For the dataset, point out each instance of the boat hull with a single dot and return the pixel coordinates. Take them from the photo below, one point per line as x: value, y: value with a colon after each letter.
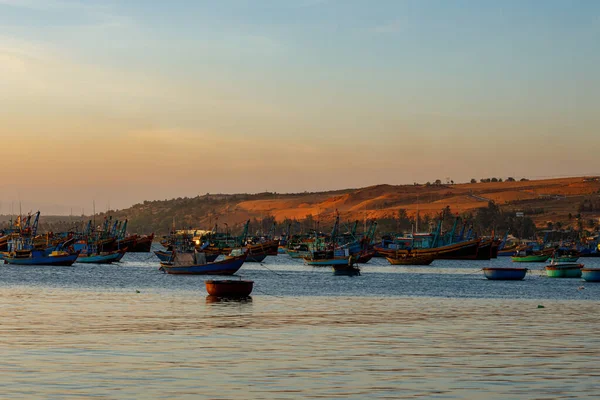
x: 590, y: 274
x: 166, y: 256
x: 60, y: 261
x: 101, y: 258
x: 564, y: 270
x: 229, y: 288
x: 327, y: 262
x: 484, y: 252
x: 142, y: 244
x: 533, y: 258
x: 457, y: 251
x: 228, y: 266
x: 411, y: 260
x: 504, y: 274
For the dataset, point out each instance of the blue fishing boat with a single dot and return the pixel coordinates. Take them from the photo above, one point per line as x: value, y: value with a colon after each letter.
x: 196, y: 264
x: 590, y: 274
x: 101, y: 258
x: 326, y: 262
x: 505, y: 273
x: 41, y: 257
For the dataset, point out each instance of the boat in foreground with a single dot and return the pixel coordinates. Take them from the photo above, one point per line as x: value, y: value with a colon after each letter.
x: 193, y: 264
x: 590, y: 274
x: 564, y: 270
x: 505, y: 273
x: 229, y: 288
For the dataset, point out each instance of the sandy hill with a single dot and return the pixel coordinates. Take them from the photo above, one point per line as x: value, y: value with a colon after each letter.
x: 543, y: 200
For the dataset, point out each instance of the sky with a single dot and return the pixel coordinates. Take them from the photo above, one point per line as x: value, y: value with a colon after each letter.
x: 117, y: 102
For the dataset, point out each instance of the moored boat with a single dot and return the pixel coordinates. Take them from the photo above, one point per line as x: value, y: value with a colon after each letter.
x: 411, y: 259
x: 590, y: 274
x: 326, y: 262
x: 41, y: 257
x: 195, y: 264
x: 505, y: 273
x: 142, y: 244
x: 101, y: 258
x: 564, y: 270
x: 530, y: 258
x: 229, y: 288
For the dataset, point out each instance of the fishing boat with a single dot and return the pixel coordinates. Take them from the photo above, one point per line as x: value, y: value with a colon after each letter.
x: 326, y: 262
x: 564, y: 270
x: 484, y: 252
x: 49, y: 257
x: 229, y: 288
x: 142, y: 244
x: 166, y: 256
x: 505, y: 273
x: 590, y: 274
x: 364, y: 257
x: 466, y: 250
x: 196, y: 264
x: 530, y: 256
x: 102, y: 257
x: 411, y: 259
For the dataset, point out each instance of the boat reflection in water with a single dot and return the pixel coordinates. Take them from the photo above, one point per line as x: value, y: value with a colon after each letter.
x: 224, y: 300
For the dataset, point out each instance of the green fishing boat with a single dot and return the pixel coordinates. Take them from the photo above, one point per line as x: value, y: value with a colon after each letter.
x: 530, y: 258
x: 564, y: 270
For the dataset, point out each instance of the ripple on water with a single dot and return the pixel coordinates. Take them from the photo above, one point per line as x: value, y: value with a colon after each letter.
x: 386, y: 334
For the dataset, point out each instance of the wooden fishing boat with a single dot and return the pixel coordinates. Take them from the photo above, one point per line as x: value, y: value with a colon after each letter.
x: 142, y: 244
x: 531, y: 258
x: 41, y: 257
x: 484, y: 252
x: 411, y: 259
x: 128, y: 242
x: 505, y: 273
x: 564, y: 270
x: 191, y: 264
x: 364, y: 256
x: 229, y: 288
x: 507, y: 251
x: 166, y: 256
x: 101, y: 258
x: 590, y: 274
x: 466, y: 250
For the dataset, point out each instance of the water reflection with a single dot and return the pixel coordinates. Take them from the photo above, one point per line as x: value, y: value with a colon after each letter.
x: 228, y: 300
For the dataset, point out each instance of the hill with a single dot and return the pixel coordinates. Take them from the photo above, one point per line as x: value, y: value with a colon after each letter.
x: 559, y: 200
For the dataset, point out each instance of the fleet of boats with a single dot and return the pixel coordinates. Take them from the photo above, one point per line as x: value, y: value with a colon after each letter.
x: 220, y: 253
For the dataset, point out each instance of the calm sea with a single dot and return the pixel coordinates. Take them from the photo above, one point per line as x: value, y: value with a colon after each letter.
x: 441, y: 331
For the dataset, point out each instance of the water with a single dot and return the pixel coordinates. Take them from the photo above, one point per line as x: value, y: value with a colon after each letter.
x: 441, y: 331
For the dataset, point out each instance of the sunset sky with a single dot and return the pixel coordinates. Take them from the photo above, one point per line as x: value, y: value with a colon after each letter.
x: 125, y: 101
